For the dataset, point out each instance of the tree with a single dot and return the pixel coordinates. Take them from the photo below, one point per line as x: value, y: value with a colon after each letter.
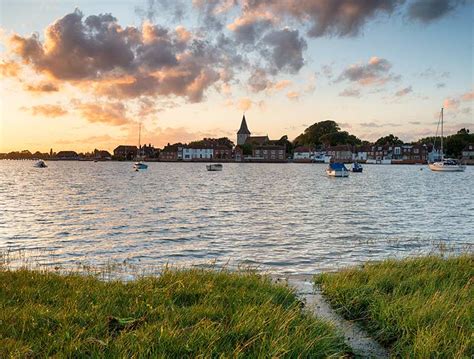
x: 283, y: 141
x: 246, y: 149
x: 312, y: 135
x: 340, y: 138
x: 389, y: 140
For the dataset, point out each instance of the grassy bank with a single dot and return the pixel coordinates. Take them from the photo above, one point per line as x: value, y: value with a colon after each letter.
x: 179, y: 314
x: 421, y: 307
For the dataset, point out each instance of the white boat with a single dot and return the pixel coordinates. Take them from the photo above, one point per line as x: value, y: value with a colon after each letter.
x: 321, y: 158
x: 40, y: 164
x: 337, y: 169
x: 139, y: 165
x: 214, y: 167
x: 445, y: 164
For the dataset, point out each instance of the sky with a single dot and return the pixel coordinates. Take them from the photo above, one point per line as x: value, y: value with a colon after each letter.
x: 83, y: 74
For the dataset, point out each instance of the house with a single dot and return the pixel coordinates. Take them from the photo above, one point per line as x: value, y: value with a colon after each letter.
x: 102, y: 155
x: 468, y: 152
x: 340, y: 153
x: 409, y: 154
x: 125, y: 152
x: 67, y: 155
x: 171, y: 152
x: 360, y: 153
x: 238, y: 154
x: 148, y: 151
x: 197, y: 153
x: 303, y: 154
x: 269, y: 153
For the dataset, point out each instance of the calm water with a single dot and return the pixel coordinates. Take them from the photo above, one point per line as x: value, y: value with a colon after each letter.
x: 279, y: 217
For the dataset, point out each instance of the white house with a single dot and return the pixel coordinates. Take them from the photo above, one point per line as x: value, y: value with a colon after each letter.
x: 302, y: 154
x: 197, y: 153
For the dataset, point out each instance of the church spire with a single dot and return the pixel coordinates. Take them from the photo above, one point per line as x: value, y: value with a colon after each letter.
x: 244, y: 130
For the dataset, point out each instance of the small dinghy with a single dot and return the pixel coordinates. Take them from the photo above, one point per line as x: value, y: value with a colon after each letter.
x: 356, y: 167
x: 337, y: 169
x: 140, y: 166
x: 40, y: 164
x: 214, y: 167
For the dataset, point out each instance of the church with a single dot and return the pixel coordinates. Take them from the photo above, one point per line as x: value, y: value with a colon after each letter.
x: 263, y: 149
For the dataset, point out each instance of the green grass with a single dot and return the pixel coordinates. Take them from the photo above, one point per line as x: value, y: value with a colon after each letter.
x: 419, y: 308
x: 180, y: 314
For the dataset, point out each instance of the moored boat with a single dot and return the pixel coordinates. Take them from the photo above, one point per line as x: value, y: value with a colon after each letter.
x: 40, y: 164
x: 445, y: 164
x: 337, y: 169
x: 356, y: 167
x: 214, y: 167
x: 139, y: 165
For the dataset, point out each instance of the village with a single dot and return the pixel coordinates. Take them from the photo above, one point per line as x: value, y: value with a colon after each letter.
x: 256, y: 149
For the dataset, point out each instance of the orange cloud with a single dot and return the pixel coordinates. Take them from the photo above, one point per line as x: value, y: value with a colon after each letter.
x: 293, y: 95
x: 109, y: 113
x: 47, y: 110
x: 9, y: 69
x: 468, y: 96
x: 42, y: 87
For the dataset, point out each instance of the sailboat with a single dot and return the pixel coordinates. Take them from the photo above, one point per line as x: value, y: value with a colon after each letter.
x: 445, y: 164
x: 139, y: 165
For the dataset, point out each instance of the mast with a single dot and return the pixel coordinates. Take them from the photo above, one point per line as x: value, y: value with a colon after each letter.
x: 442, y: 152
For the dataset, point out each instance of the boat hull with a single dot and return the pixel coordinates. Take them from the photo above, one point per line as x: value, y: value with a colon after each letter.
x: 214, y: 167
x: 446, y: 168
x: 336, y: 173
x: 140, y: 166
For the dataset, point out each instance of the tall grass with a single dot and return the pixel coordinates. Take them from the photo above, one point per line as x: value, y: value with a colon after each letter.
x: 180, y: 314
x: 421, y: 307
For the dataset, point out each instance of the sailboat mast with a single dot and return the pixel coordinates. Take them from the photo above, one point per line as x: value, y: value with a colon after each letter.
x: 442, y: 134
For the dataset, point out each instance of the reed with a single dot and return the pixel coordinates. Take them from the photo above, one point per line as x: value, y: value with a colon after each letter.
x: 418, y: 307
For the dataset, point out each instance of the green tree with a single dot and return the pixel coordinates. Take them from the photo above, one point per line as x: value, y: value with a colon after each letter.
x: 312, y: 135
x: 389, y: 140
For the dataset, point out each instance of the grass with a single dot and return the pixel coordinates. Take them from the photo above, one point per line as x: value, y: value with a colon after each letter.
x: 419, y: 308
x: 180, y: 314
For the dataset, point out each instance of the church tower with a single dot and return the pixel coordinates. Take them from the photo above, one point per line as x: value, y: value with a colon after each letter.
x: 243, y: 132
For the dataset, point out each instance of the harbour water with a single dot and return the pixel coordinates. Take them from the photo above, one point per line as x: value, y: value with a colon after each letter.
x: 279, y: 218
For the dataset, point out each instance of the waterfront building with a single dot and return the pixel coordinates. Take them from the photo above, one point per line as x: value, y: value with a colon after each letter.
x: 269, y: 153
x: 125, y: 152
x: 67, y: 155
x: 197, y: 153
x: 340, y: 153
x: 303, y: 154
x: 243, y: 133
x: 468, y: 152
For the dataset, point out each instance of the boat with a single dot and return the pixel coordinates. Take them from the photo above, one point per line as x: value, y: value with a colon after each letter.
x: 321, y: 158
x: 356, y: 167
x: 337, y: 169
x: 139, y: 165
x: 445, y: 164
x: 214, y: 167
x: 40, y: 164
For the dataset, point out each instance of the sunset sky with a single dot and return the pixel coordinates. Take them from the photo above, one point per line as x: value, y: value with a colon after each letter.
x: 81, y: 74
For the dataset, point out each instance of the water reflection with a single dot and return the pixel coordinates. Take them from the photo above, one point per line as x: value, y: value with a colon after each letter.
x: 279, y: 217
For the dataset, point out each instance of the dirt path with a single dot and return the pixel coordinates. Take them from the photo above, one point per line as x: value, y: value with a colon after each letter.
x: 360, y: 342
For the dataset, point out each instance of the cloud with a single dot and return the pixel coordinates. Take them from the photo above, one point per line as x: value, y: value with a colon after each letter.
x: 284, y: 50
x: 370, y: 124
x: 430, y: 10
x: 108, y: 113
x: 375, y: 72
x: 468, y: 96
x: 9, y: 69
x: 42, y: 87
x: 403, y: 92
x: 248, y: 29
x: 293, y: 95
x: 326, y: 17
x: 350, y: 92
x: 244, y: 104
x: 414, y: 123
x: 440, y: 85
x: 47, y: 110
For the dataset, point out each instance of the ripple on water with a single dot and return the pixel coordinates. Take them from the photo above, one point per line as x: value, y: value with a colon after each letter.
x: 279, y: 218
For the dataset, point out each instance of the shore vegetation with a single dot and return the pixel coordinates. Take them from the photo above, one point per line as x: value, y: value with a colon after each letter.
x: 418, y: 307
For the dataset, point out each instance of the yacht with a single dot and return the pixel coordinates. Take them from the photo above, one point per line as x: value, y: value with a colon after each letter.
x: 445, y: 164
x: 214, y: 167
x: 337, y: 169
x: 139, y: 165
